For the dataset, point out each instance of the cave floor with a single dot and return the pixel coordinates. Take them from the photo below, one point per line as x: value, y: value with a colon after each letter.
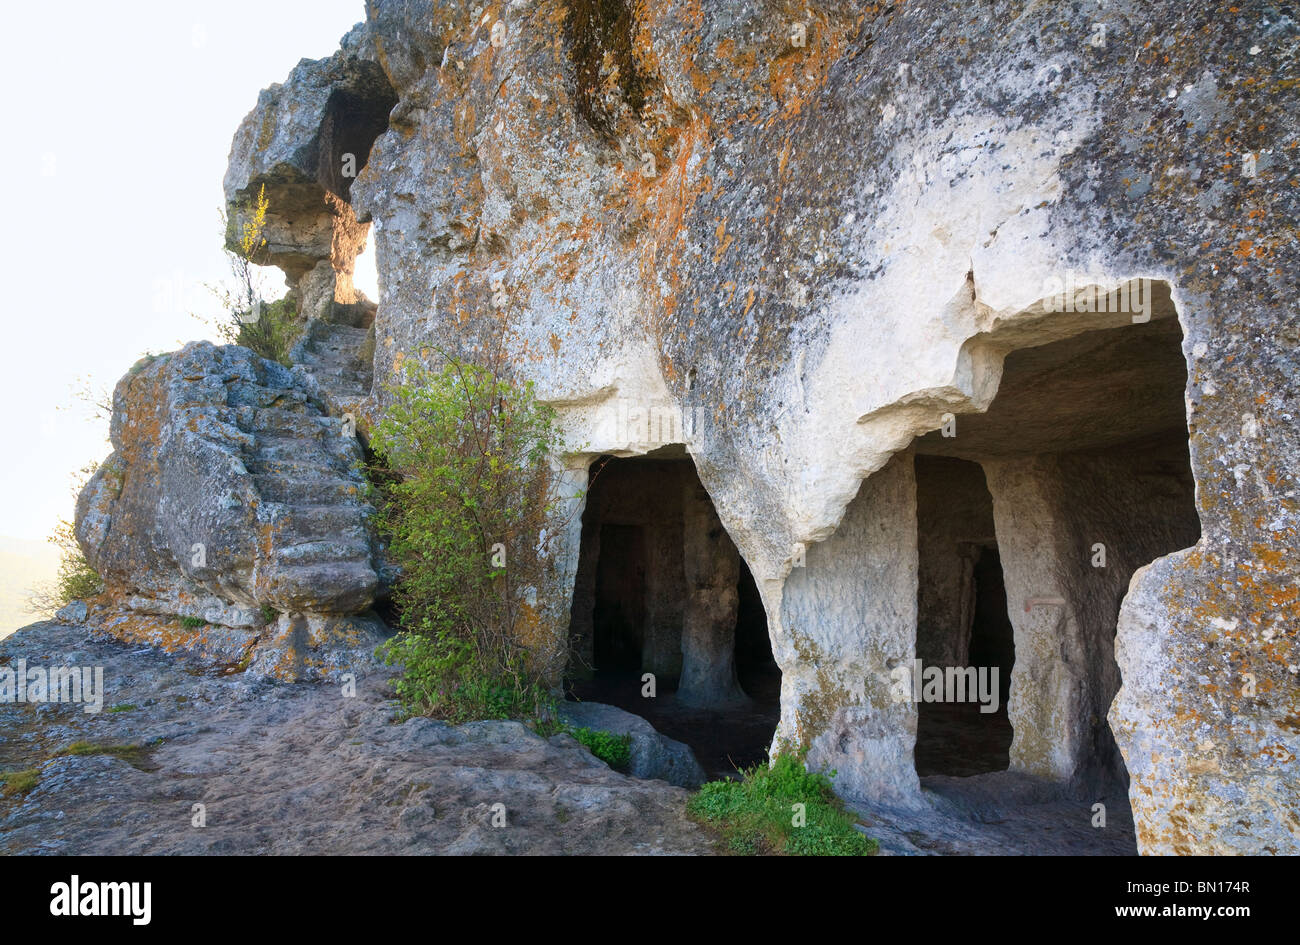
x: 1002, y: 813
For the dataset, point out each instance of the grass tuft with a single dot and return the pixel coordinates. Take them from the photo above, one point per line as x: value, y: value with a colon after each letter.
x: 759, y: 815
x: 18, y: 783
x: 135, y: 755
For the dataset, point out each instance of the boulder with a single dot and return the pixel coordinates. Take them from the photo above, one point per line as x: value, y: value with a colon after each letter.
x: 231, y: 495
x: 654, y: 756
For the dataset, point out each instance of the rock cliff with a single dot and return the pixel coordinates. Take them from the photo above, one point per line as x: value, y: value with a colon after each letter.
x: 811, y: 248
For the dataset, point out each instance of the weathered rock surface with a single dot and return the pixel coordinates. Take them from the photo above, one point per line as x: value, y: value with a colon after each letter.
x: 301, y: 769
x: 301, y: 148
x: 654, y: 756
x: 810, y: 254
x: 230, y: 495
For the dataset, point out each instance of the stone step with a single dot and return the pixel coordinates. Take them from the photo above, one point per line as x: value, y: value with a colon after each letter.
x: 289, y: 423
x: 289, y: 491
x: 301, y: 465
x: 334, y: 548
x: 324, y: 519
x: 313, y: 580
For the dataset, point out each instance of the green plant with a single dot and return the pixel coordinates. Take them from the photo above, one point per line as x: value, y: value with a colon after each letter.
x: 15, y: 783
x: 76, y: 579
x: 135, y: 755
x: 269, y: 614
x: 441, y: 677
x: 761, y: 814
x: 193, y: 623
x: 123, y: 707
x: 466, y: 498
x: 614, y: 750
x: 267, y: 328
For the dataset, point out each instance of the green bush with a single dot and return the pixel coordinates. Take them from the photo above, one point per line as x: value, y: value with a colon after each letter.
x: 465, y: 496
x: 269, y: 330
x: 76, y: 579
x: 193, y: 623
x: 441, y: 677
x: 614, y: 750
x: 757, y: 815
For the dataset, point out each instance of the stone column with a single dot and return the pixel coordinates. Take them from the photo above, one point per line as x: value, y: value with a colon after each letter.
x: 847, y: 622
x: 712, y: 569
x: 1051, y: 676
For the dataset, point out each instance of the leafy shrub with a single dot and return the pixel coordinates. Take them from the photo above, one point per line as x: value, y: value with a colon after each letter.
x: 466, y: 501
x: 757, y: 815
x: 441, y: 677
x: 76, y: 579
x: 614, y: 750
x: 269, y: 330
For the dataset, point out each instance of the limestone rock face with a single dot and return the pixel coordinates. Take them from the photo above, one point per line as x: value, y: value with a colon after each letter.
x: 229, y: 491
x: 302, y: 146
x: 803, y: 257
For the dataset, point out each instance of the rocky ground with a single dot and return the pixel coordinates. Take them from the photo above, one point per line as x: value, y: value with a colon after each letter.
x: 301, y: 768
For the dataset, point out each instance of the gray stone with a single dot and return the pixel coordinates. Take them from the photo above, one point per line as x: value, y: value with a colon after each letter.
x: 654, y: 756
x: 230, y: 491
x: 75, y: 612
x: 301, y: 769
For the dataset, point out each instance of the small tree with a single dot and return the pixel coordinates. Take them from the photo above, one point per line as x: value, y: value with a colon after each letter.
x: 471, y: 516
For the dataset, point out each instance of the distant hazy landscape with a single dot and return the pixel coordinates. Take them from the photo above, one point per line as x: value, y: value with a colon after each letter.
x: 23, y: 564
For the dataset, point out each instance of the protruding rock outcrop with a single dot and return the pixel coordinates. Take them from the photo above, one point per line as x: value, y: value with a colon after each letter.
x: 304, y: 144
x: 231, y: 497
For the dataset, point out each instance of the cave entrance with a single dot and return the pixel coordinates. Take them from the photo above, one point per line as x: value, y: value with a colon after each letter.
x: 961, y: 621
x: 662, y: 590
x: 1077, y: 475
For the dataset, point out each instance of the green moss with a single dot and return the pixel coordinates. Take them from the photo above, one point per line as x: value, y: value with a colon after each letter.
x: 18, y: 783
x: 123, y: 707
x: 783, y: 810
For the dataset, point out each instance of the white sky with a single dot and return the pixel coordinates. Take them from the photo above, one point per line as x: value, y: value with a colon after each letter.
x: 117, y: 123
